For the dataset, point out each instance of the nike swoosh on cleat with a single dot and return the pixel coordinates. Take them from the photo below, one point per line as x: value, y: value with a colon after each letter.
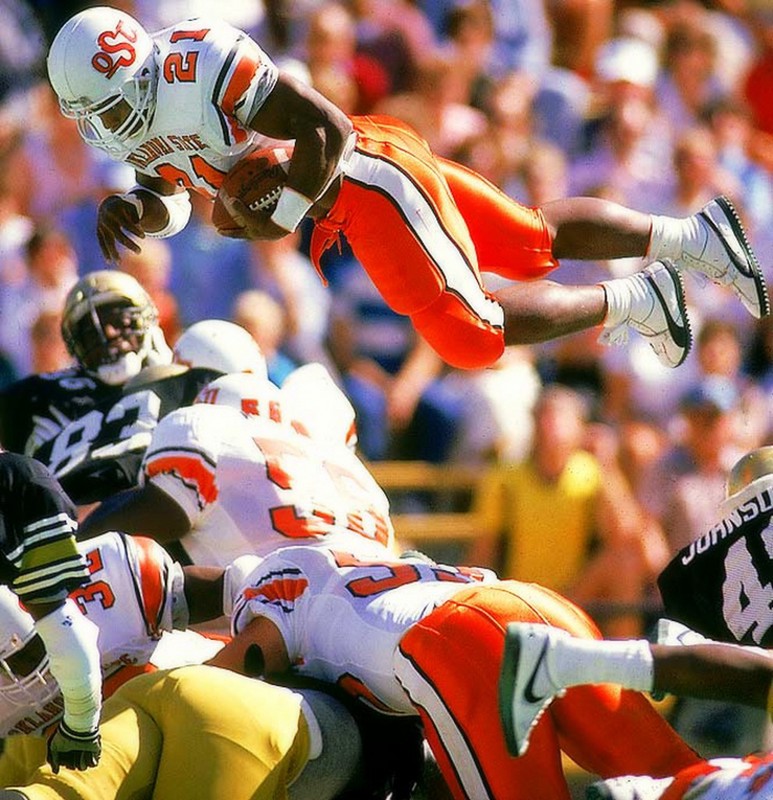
x: 679, y: 333
x: 528, y: 690
x: 750, y: 267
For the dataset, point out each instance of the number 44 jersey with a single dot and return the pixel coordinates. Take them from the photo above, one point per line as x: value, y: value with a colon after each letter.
x: 721, y: 584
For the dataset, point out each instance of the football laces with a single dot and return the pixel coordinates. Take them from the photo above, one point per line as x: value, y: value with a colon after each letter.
x: 268, y: 200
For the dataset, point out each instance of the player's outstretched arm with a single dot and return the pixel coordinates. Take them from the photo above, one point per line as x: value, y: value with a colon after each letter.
x: 140, y: 212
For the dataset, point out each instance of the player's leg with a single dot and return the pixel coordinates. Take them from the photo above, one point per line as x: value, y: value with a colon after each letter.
x: 131, y: 748
x: 239, y: 737
x: 406, y: 229
x: 600, y: 727
x: 711, y: 242
x: 600, y: 723
x: 448, y: 665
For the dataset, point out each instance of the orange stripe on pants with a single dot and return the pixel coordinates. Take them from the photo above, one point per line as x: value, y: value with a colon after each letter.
x: 449, y: 664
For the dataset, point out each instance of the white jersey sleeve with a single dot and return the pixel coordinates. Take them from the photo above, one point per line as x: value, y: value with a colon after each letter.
x: 183, y: 456
x: 342, y: 618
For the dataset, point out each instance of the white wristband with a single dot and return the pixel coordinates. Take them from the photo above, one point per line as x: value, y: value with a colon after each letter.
x: 134, y: 200
x: 290, y: 209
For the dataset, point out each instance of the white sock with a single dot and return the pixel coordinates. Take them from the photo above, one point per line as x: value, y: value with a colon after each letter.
x: 670, y: 237
x: 626, y: 298
x: 629, y: 663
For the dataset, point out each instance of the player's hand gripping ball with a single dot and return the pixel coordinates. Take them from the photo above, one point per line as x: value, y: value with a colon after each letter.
x: 249, y: 192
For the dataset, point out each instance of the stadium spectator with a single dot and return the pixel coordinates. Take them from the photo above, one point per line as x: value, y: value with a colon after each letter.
x: 152, y: 269
x: 389, y: 374
x: 688, y: 483
x: 564, y: 520
x: 266, y: 321
x: 332, y: 58
x: 52, y: 270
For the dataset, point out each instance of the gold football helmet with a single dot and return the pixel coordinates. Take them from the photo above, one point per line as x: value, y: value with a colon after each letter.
x: 110, y: 325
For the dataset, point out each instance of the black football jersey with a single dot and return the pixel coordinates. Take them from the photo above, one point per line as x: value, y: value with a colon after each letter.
x: 100, y: 453
x: 37, y: 407
x: 38, y: 556
x: 721, y: 585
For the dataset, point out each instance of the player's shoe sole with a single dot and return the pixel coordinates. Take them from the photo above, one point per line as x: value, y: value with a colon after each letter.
x: 727, y: 257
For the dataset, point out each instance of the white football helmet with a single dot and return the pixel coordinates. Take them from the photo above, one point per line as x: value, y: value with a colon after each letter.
x: 99, y: 59
x: 111, y: 299
x: 222, y: 346
x: 246, y: 392
x: 319, y: 407
x: 25, y: 679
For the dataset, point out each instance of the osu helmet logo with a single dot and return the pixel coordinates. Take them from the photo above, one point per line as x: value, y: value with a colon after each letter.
x: 117, y: 50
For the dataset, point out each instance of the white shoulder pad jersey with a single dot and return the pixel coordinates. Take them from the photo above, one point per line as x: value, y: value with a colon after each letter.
x: 342, y: 618
x: 133, y: 589
x: 212, y: 78
x: 252, y: 485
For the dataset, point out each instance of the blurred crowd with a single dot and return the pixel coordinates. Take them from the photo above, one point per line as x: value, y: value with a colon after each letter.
x: 658, y: 105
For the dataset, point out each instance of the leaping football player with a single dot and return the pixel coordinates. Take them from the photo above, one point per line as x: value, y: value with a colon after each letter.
x: 185, y: 104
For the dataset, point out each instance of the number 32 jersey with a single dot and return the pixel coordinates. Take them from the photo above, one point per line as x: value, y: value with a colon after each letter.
x: 721, y: 585
x: 132, y: 595
x: 251, y: 485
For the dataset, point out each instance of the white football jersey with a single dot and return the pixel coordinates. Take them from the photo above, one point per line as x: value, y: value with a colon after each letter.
x: 211, y: 80
x: 342, y: 617
x: 734, y: 779
x: 132, y: 593
x: 251, y: 485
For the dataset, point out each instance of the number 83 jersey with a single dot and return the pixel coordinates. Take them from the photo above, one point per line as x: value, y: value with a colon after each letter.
x: 721, y: 584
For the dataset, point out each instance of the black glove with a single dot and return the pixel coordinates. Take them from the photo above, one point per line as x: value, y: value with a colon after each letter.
x: 74, y: 750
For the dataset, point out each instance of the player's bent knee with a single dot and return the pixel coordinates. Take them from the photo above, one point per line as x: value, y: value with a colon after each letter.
x: 457, y: 335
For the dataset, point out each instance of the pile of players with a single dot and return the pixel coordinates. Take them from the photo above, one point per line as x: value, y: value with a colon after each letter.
x: 218, y: 493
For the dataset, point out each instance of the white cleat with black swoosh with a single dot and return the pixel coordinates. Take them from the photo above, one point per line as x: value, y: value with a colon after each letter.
x: 721, y: 252
x: 526, y: 687
x: 660, y: 313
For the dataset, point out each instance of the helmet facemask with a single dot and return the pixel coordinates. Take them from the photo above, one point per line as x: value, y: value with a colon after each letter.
x: 25, y: 679
x: 111, y: 340
x: 139, y: 97
x: 108, y: 325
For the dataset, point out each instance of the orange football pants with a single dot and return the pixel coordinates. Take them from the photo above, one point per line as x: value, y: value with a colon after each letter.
x: 449, y: 665
x: 423, y: 228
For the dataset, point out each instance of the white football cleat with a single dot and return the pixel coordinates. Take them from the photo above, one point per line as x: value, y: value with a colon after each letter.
x: 633, y: 787
x: 661, y: 317
x: 526, y: 687
x: 723, y: 254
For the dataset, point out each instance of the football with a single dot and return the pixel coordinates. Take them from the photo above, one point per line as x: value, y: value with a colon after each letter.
x: 256, y: 180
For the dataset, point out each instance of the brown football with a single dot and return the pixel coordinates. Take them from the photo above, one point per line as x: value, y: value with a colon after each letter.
x: 256, y: 180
